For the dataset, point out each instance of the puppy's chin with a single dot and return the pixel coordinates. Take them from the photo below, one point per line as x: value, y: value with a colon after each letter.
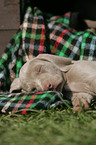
x: 60, y: 86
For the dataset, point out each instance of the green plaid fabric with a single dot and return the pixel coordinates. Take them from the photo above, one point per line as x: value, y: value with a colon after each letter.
x: 41, y: 33
x: 67, y: 42
x: 24, y: 102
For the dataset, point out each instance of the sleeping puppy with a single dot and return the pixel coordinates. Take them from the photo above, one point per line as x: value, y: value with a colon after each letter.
x: 50, y: 72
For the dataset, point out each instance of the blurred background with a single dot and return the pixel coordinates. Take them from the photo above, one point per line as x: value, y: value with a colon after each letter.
x: 9, y: 21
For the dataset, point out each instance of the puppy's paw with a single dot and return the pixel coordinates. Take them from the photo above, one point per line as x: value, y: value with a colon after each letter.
x: 81, y: 101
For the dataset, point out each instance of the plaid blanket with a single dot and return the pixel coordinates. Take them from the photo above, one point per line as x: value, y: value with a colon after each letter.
x: 41, y: 33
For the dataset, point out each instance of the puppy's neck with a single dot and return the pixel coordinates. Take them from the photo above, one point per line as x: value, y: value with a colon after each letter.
x: 65, y: 89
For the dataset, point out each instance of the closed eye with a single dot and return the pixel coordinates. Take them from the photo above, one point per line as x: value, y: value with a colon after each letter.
x: 40, y: 69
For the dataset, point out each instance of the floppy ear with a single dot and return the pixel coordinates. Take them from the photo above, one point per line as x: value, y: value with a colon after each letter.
x: 63, y: 63
x: 16, y: 85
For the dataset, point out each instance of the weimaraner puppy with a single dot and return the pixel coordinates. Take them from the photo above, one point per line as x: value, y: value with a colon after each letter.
x: 50, y: 72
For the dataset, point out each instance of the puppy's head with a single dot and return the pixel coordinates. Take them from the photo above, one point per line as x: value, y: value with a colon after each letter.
x: 41, y: 73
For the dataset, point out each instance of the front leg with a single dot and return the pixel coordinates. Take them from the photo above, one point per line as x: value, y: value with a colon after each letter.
x: 81, y: 101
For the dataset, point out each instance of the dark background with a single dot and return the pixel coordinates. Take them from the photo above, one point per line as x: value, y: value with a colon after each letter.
x: 86, y: 8
x: 12, y: 12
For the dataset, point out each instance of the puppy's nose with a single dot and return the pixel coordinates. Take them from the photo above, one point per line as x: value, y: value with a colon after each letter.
x: 49, y: 86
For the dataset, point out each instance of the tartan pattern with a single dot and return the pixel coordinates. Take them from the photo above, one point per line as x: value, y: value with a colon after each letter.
x: 41, y: 34
x: 33, y: 33
x: 67, y: 42
x: 23, y: 102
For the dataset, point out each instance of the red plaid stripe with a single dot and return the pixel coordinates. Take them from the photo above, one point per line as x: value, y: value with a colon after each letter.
x: 29, y: 104
x: 41, y: 48
x: 59, y: 38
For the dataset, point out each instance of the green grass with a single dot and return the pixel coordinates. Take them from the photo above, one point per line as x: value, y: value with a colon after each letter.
x: 51, y: 127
